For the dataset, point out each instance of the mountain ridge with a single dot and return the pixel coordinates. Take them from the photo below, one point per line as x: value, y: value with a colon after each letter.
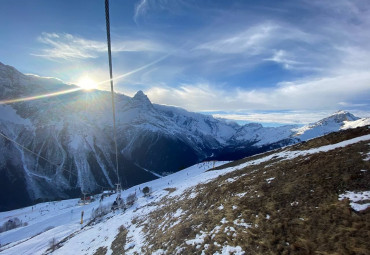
x: 74, y: 130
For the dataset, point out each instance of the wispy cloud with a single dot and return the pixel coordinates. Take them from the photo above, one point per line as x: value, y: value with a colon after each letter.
x: 311, y: 100
x: 346, y: 104
x: 285, y: 117
x: 283, y: 58
x: 250, y: 42
x: 143, y: 7
x: 274, y: 41
x: 309, y: 94
x: 258, y: 37
x: 68, y: 46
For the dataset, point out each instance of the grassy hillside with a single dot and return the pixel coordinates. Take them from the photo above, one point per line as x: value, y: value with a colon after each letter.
x: 279, y: 206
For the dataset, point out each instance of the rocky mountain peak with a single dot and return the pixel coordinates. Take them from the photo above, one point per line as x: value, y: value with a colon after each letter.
x: 338, y: 117
x: 344, y: 116
x: 140, y: 100
x: 141, y: 96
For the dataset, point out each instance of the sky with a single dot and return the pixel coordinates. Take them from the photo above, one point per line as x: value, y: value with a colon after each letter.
x: 268, y: 61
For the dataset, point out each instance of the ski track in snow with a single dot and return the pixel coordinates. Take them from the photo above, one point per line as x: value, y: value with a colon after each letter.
x: 64, y: 216
x: 153, y: 173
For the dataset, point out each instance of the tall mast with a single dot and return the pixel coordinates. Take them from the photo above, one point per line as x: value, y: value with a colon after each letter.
x: 112, y: 90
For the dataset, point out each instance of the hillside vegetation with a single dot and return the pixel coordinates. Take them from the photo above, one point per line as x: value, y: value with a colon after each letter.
x: 278, y: 206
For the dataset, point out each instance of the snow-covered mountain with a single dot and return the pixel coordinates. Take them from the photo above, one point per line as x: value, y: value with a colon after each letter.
x: 280, y: 203
x: 56, y: 147
x: 332, y: 123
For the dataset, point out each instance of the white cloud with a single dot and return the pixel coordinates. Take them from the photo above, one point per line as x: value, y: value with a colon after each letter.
x: 311, y: 100
x: 314, y: 94
x: 293, y: 47
x: 67, y: 46
x: 143, y: 7
x: 346, y: 104
x: 250, y: 41
x: 257, y: 38
x: 337, y: 39
x: 284, y: 117
x: 291, y: 117
x: 283, y: 58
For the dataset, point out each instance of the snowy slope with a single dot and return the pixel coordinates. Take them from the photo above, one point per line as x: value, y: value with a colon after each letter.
x: 255, y: 132
x: 330, y: 124
x: 356, y: 123
x: 8, y: 114
x: 64, y: 216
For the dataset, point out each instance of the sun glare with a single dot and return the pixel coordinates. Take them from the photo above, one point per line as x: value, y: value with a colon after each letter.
x: 87, y: 84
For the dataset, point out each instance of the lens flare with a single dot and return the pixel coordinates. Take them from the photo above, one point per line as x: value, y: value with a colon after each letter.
x: 136, y: 70
x: 87, y: 84
x: 10, y: 101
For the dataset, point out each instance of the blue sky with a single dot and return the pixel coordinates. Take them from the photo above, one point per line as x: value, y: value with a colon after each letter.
x: 265, y: 61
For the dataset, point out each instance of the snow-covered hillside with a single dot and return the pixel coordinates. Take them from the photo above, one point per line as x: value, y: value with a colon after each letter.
x: 61, y: 220
x: 332, y: 123
x: 73, y: 131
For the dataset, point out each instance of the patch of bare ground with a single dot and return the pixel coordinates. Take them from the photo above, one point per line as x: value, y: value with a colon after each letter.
x: 331, y: 138
x: 101, y: 251
x: 118, y: 245
x: 170, y: 190
x: 289, y: 207
x: 247, y: 159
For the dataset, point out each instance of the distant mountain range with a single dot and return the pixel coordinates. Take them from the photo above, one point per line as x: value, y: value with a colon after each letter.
x: 56, y: 147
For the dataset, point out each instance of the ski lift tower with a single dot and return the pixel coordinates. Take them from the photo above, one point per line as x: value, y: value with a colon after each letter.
x: 118, y: 188
x: 118, y: 184
x: 84, y: 201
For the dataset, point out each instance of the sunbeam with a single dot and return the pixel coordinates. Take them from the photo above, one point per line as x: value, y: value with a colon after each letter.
x: 10, y: 101
x: 136, y: 70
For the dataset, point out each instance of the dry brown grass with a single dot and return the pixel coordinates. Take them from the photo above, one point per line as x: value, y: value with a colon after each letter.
x: 170, y: 190
x: 331, y: 138
x: 298, y: 212
x: 101, y: 251
x: 119, y: 242
x: 244, y: 160
x: 334, y: 137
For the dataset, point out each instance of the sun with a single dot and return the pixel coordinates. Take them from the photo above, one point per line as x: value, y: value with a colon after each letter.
x: 87, y: 84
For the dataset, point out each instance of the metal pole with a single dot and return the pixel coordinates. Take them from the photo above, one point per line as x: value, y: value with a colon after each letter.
x: 111, y: 87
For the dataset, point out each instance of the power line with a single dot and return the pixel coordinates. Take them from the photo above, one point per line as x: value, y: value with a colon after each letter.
x: 32, y: 152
